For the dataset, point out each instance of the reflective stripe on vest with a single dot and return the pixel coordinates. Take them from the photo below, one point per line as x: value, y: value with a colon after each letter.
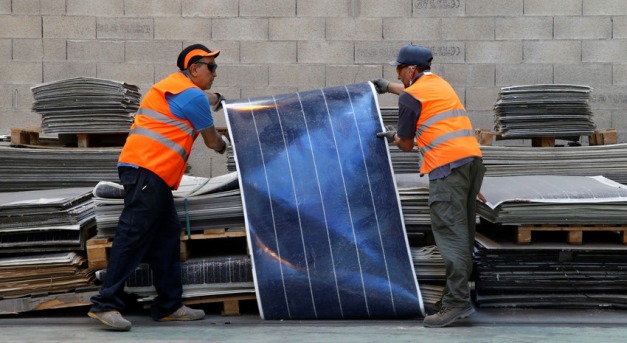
x: 161, y: 139
x: 445, y: 138
x: 440, y: 116
x: 167, y: 120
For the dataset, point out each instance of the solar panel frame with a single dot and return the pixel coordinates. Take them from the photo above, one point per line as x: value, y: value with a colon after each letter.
x: 322, y: 212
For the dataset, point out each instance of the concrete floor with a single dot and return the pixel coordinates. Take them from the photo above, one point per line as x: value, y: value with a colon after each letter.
x: 486, y: 325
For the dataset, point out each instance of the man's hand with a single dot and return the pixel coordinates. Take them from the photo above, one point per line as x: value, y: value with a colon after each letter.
x: 218, y: 102
x: 381, y: 85
x: 226, y: 144
x: 388, y: 134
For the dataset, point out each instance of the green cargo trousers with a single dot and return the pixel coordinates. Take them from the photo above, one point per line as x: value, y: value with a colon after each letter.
x: 453, y: 205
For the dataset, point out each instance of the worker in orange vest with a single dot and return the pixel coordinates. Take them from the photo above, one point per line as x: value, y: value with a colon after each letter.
x: 431, y: 113
x: 172, y: 114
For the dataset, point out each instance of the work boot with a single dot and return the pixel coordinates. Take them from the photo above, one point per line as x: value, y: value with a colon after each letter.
x: 447, y: 315
x: 184, y: 313
x: 112, y: 319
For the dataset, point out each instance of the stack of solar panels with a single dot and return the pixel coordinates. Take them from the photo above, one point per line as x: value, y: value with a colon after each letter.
x: 430, y: 272
x: 209, y: 276
x: 47, y: 220
x: 31, y: 169
x: 607, y: 160
x: 550, y: 275
x: 85, y: 105
x: 550, y: 199
x: 413, y: 191
x: 544, y: 110
x: 389, y: 115
x: 201, y: 204
x: 22, y: 276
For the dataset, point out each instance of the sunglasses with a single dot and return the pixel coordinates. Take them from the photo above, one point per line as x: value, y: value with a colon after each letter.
x: 212, y: 66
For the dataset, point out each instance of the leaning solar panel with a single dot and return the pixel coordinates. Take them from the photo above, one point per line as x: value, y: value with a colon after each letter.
x: 322, y: 211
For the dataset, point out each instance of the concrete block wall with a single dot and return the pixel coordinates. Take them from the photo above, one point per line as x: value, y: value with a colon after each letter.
x: 277, y: 46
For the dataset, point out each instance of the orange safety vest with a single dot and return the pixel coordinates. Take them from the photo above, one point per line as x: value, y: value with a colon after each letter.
x: 444, y: 132
x: 160, y: 141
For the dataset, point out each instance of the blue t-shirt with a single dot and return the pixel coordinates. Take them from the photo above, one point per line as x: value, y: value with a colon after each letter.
x: 192, y: 104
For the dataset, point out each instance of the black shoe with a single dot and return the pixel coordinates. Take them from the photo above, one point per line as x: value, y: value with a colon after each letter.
x: 447, y: 315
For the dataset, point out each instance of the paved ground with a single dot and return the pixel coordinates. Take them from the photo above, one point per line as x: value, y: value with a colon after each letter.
x: 503, y: 325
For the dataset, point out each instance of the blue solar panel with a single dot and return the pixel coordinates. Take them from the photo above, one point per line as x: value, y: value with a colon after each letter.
x: 323, y: 217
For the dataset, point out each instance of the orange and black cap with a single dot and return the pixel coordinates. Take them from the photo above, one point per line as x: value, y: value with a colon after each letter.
x: 193, y: 53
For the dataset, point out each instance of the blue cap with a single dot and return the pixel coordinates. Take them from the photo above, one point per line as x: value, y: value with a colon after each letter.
x: 413, y: 55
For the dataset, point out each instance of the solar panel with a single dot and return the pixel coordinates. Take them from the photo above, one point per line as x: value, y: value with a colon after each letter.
x: 322, y: 212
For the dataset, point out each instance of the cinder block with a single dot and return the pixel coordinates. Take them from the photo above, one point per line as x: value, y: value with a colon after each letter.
x: 482, y: 119
x: 65, y: 27
x: 131, y: 73
x: 612, y: 51
x: 182, y: 28
x: 619, y: 27
x: 326, y: 8
x: 52, y: 7
x: 23, y: 97
x: 18, y: 73
x: 407, y: 28
x: 296, y: 28
x: 6, y: 50
x: 26, y: 7
x: 267, y: 8
x: 620, y: 74
x: 210, y: 9
x: 124, y: 28
x: 602, y: 119
x: 31, y: 50
x: 552, y: 51
x: 376, y: 52
x: 583, y: 27
x: 95, y: 51
x: 326, y: 52
x: 553, y: 8
x: 487, y: 8
x: 591, y: 74
x: 16, y: 118
x: 6, y: 98
x: 253, y: 92
x: 494, y: 52
x: 508, y: 75
x: 466, y: 74
x: 524, y: 28
x: 337, y: 75
x: 242, y: 29
x: 354, y: 29
x: 302, y: 76
x: 152, y: 8
x: 165, y: 51
x: 439, y: 9
x: 163, y: 69
x: 268, y: 52
x: 54, y: 49
x: 109, y: 8
x: 605, y: 7
x: 241, y: 75
x: 388, y: 100
x: 5, y: 6
x: 20, y: 26
x: 467, y: 28
x: 54, y: 71
x: 384, y: 9
x: 481, y: 98
x: 609, y: 98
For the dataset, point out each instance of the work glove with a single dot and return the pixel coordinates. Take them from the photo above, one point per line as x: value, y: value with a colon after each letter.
x: 388, y: 134
x: 218, y: 105
x: 226, y: 144
x: 381, y: 85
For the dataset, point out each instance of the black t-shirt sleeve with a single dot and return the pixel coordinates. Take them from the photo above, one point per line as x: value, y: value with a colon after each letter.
x: 408, y: 113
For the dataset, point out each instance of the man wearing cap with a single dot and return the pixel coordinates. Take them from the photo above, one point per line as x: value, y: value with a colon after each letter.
x: 430, y: 111
x: 152, y: 162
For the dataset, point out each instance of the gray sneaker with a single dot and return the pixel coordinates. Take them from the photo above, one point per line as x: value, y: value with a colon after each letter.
x: 112, y: 319
x: 184, y: 313
x: 447, y: 315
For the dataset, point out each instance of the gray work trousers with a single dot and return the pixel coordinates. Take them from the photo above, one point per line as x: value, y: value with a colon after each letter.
x: 452, y: 201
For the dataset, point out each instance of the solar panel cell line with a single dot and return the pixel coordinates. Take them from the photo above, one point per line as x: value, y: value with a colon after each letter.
x: 322, y: 212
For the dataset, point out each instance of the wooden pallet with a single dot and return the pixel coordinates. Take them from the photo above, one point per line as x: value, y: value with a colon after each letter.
x: 575, y: 232
x: 599, y: 137
x: 230, y: 303
x: 30, y: 137
x: 98, y: 247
